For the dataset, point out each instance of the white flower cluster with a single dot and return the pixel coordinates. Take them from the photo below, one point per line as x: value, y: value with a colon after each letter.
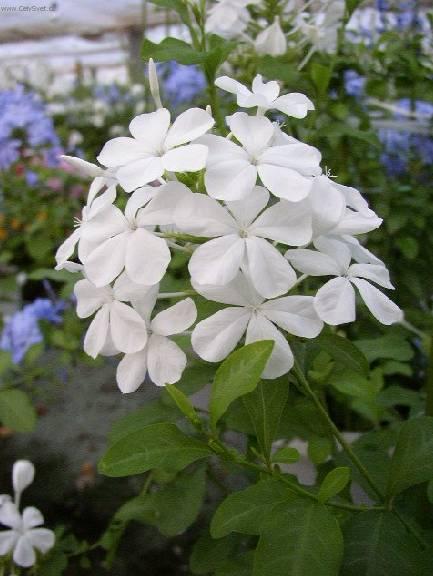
x: 261, y: 212
x: 24, y: 534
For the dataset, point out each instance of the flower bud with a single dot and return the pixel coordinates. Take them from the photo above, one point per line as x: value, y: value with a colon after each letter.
x: 154, y: 85
x: 271, y: 40
x: 23, y: 473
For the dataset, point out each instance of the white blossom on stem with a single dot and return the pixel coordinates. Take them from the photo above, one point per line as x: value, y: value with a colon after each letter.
x: 271, y: 40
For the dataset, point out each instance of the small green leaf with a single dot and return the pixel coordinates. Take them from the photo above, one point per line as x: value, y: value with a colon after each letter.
x: 239, y: 374
x: 240, y: 511
x: 412, y: 461
x: 319, y: 449
x: 183, y: 403
x: 171, y: 49
x: 299, y: 538
x: 265, y: 406
x: 160, y: 445
x: 343, y: 352
x: 334, y: 482
x: 286, y: 455
x: 392, y: 347
x: 16, y: 410
x: 321, y: 76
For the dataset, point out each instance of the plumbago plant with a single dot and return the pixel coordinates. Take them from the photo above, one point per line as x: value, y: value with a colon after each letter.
x: 257, y: 252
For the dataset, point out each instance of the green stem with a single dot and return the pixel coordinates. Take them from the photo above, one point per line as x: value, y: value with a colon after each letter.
x: 429, y: 382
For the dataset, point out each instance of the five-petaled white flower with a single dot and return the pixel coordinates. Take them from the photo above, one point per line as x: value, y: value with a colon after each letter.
x: 265, y: 95
x: 240, y: 231
x: 156, y: 146
x: 215, y: 337
x: 160, y: 357
x: 335, y: 300
x: 232, y: 170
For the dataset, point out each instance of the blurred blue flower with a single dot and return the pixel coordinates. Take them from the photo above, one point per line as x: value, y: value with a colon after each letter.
x: 21, y: 330
x: 31, y: 178
x: 183, y: 83
x: 9, y: 152
x: 354, y: 83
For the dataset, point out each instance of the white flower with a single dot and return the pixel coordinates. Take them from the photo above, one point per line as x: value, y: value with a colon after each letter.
x: 116, y: 327
x: 271, y: 40
x: 335, y: 300
x: 265, y: 95
x: 25, y: 534
x: 156, y: 146
x: 214, y: 338
x: 228, y: 18
x: 232, y: 170
x: 161, y: 358
x: 23, y: 474
x: 130, y: 243
x: 239, y: 231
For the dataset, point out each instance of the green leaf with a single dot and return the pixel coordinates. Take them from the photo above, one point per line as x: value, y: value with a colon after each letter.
x: 160, y: 445
x: 265, y: 406
x: 171, y: 49
x: 240, y: 511
x: 299, y: 538
x: 183, y: 403
x: 5, y: 361
x: 378, y: 544
x: 16, y: 410
x: 178, y: 5
x: 392, y: 347
x: 239, y: 374
x: 151, y: 413
x: 209, y: 555
x: 334, y: 482
x: 344, y: 352
x: 319, y: 449
x: 321, y: 76
x: 218, y: 50
x: 286, y: 455
x: 412, y: 461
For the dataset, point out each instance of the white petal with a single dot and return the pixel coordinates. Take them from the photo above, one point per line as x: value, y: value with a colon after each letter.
x: 284, y: 182
x: 120, y: 151
x: 32, y: 517
x: 297, y: 156
x: 103, y: 225
x: 89, y: 297
x: 281, y: 359
x: 296, y: 314
x: 137, y: 200
x: 65, y: 250
x: 335, y: 302
x: 335, y: 249
x: 24, y: 555
x: 359, y: 252
x: 150, y: 129
x: 286, y: 222
x: 125, y: 290
x: 217, y: 261
x: 357, y: 223
x: 107, y: 261
x: 189, y: 126
x: 165, y: 360
x: 375, y: 272
x: 313, y: 263
x: 270, y: 272
x: 9, y: 516
x: 96, y: 334
x: 131, y: 371
x: 232, y: 86
x: 253, y: 132
x: 163, y: 206
x: 248, y: 208
x: 128, y: 329
x: 294, y: 104
x: 231, y: 179
x: 221, y: 149
x: 214, y: 338
x: 95, y: 203
x: 82, y: 167
x: 238, y: 292
x: 201, y: 215
x: 269, y: 90
x: 42, y: 539
x: 354, y: 200
x: 189, y: 158
x: 8, y: 539
x: 147, y: 257
x: 378, y: 303
x: 327, y: 204
x: 175, y: 319
x: 140, y: 172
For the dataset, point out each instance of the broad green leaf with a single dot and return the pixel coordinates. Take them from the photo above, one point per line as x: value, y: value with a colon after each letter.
x: 242, y: 565
x: 334, y: 482
x: 171, y: 49
x: 265, y: 406
x: 183, y: 403
x: 412, y: 461
x: 218, y: 50
x: 241, y: 511
x: 209, y: 555
x: 196, y: 375
x: 239, y: 374
x: 321, y: 76
x: 16, y: 410
x: 319, y: 449
x: 5, y: 361
x: 343, y: 352
x: 378, y: 544
x: 150, y: 413
x: 392, y: 347
x: 160, y: 445
x: 286, y: 455
x: 299, y: 538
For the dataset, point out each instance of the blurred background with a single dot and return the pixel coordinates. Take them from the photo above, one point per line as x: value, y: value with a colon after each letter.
x: 71, y: 77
